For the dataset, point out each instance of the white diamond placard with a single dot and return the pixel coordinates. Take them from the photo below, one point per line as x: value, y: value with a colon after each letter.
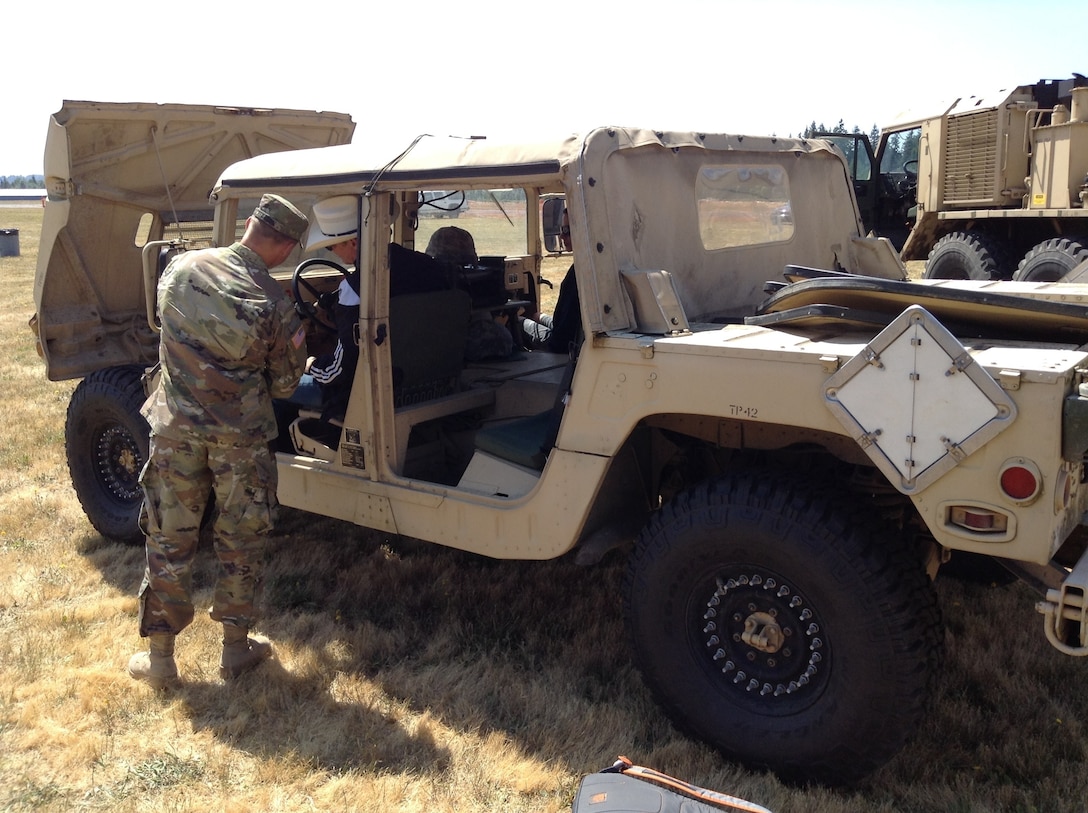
x: 916, y: 401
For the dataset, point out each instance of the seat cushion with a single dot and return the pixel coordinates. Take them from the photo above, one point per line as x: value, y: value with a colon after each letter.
x: 519, y: 441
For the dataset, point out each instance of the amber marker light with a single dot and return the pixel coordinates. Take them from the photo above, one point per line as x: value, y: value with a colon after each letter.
x: 978, y: 519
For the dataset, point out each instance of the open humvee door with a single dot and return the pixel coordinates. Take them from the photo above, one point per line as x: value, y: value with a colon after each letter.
x: 120, y: 177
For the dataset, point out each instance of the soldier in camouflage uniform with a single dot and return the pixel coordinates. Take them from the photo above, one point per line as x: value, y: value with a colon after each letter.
x: 230, y: 343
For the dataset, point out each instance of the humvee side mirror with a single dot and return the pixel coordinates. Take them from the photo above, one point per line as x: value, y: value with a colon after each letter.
x: 551, y: 217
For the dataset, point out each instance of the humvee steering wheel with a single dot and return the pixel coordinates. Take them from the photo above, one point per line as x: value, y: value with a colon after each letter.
x: 307, y: 295
x: 909, y: 183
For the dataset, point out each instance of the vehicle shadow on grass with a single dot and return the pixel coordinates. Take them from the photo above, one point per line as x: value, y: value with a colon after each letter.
x: 532, y: 651
x: 388, y: 639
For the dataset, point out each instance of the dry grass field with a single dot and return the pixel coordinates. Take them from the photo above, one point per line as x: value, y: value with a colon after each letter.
x: 414, y: 678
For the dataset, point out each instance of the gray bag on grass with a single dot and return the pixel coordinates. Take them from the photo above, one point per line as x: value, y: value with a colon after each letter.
x: 627, y: 788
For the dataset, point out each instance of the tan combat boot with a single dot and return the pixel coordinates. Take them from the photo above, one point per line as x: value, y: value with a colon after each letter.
x: 156, y: 666
x: 241, y: 651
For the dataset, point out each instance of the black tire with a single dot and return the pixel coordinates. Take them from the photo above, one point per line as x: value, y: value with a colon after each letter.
x: 965, y: 255
x: 1052, y: 259
x: 106, y: 439
x: 758, y: 548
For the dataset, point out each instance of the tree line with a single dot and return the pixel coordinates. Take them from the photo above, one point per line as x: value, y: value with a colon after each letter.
x: 813, y: 128
x: 22, y: 182
x: 900, y: 149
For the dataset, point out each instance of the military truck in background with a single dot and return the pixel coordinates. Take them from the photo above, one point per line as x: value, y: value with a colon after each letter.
x: 784, y: 437
x: 993, y: 186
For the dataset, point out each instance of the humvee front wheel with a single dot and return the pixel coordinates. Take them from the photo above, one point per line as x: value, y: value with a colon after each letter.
x: 782, y: 626
x: 106, y: 440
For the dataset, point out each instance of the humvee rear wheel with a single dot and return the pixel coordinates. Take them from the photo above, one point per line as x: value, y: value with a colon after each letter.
x: 964, y: 255
x: 106, y: 440
x: 1052, y: 259
x: 782, y: 626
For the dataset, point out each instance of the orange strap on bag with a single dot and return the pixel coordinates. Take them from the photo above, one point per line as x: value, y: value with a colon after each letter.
x: 710, y: 797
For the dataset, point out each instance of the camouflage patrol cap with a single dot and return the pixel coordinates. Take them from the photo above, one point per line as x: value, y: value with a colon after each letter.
x: 280, y: 214
x: 452, y: 245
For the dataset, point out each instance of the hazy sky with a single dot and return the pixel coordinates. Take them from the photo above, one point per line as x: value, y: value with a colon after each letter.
x: 482, y: 67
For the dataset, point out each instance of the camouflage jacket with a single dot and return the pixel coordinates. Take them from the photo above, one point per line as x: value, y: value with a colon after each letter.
x: 230, y: 342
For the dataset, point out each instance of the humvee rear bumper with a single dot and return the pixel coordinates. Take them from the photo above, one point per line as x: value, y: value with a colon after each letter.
x: 1065, y: 611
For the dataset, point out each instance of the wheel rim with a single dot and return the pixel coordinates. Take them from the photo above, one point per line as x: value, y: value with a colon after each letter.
x: 760, y: 639
x: 118, y: 461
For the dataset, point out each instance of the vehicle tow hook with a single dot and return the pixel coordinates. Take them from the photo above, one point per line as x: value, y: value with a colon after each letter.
x: 1065, y: 612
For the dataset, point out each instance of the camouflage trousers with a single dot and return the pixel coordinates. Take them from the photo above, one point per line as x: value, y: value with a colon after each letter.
x: 178, y: 480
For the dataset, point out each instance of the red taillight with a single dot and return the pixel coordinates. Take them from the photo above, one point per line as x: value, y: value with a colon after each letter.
x: 978, y: 519
x: 1020, y: 480
x: 1018, y: 483
x: 1065, y: 492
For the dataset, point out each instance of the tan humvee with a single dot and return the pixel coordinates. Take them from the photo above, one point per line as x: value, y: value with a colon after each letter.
x: 785, y: 436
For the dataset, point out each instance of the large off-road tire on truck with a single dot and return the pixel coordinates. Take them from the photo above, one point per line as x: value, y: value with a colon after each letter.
x: 965, y: 255
x: 783, y: 624
x: 1052, y: 259
x: 106, y: 439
